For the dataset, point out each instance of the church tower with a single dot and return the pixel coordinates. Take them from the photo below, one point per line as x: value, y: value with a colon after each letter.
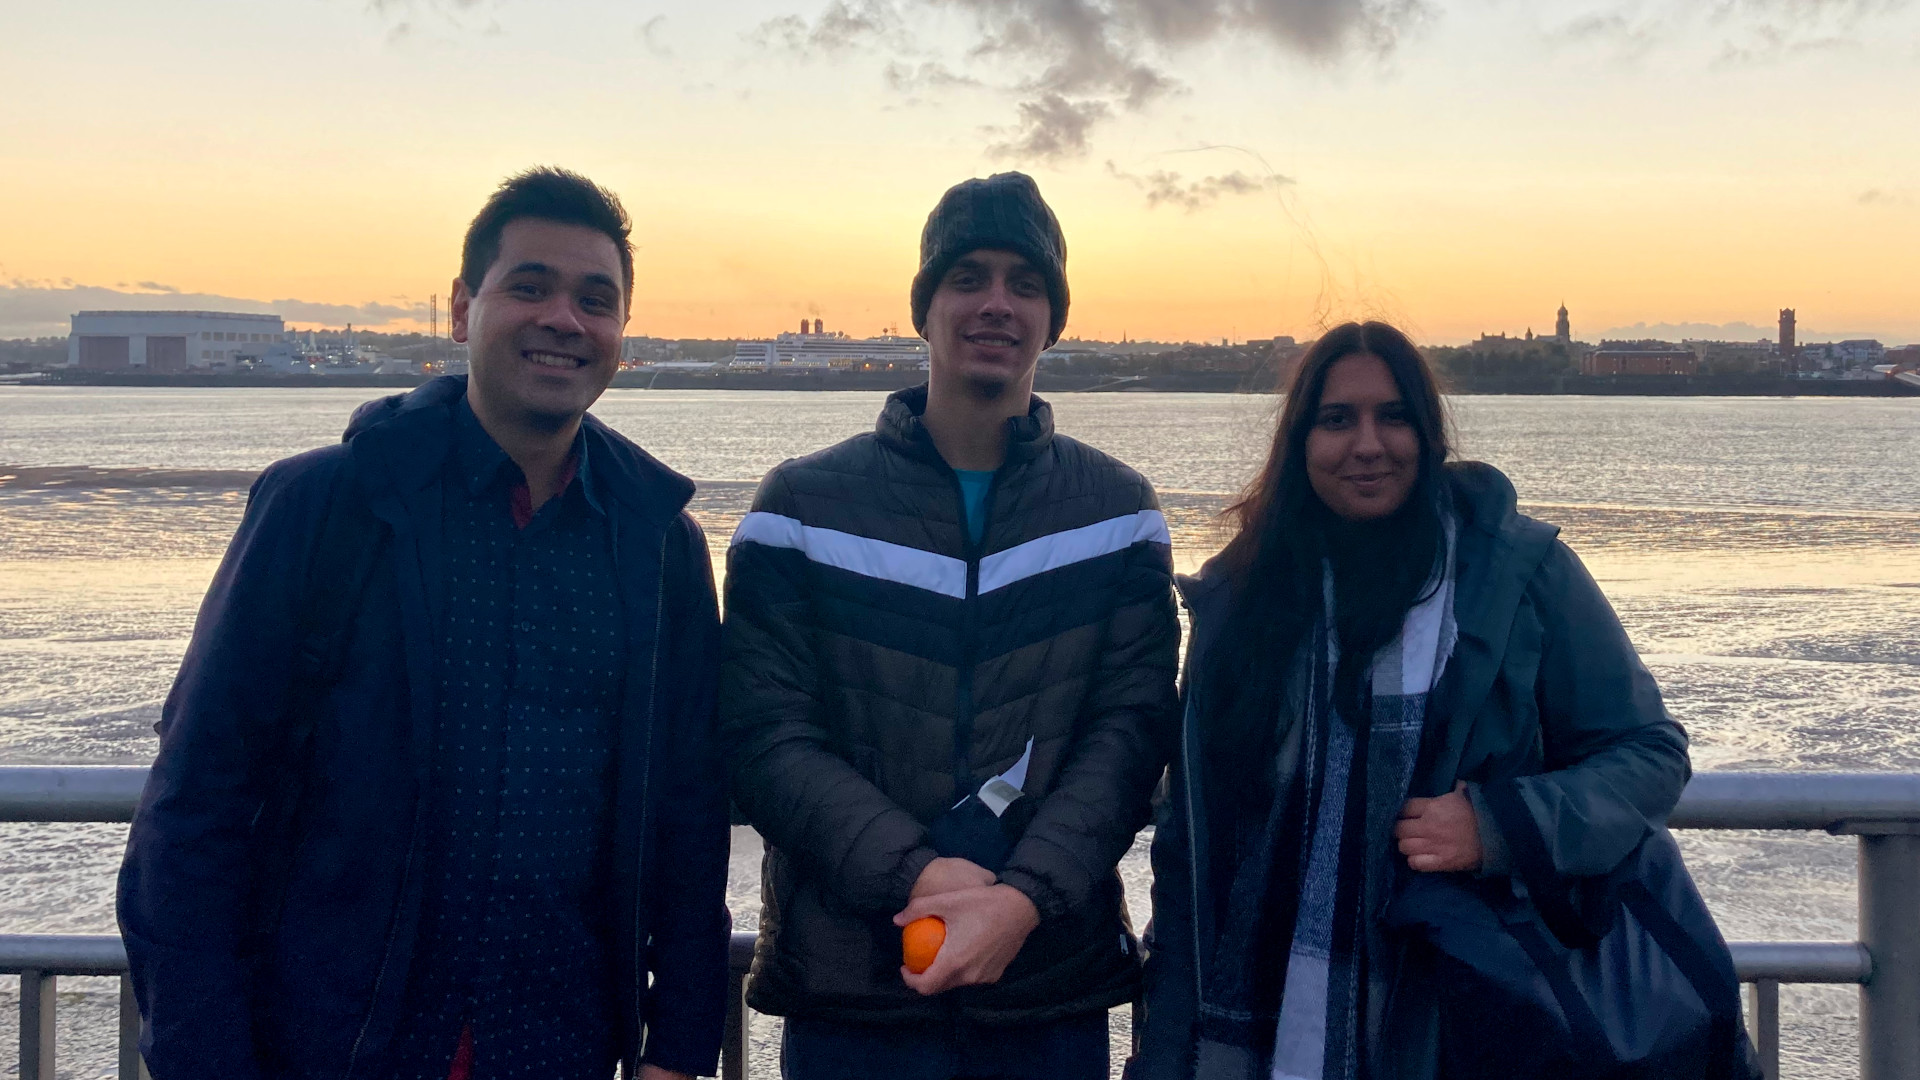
x: 1563, y: 329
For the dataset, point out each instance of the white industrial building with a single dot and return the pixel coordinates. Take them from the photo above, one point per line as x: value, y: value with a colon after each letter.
x: 162, y: 341
x: 815, y: 349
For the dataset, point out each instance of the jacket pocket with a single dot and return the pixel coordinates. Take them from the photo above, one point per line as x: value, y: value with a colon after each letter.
x: 1083, y: 952
x: 844, y: 955
x: 825, y: 952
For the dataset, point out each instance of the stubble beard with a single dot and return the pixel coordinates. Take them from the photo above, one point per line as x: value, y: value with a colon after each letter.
x: 987, y: 388
x: 992, y: 385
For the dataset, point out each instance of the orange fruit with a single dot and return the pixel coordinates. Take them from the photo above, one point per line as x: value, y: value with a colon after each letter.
x: 920, y: 942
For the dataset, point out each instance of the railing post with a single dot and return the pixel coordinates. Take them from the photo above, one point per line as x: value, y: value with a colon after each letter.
x: 1763, y: 1024
x: 1890, y: 929
x: 131, y: 1065
x: 36, y: 1025
x: 733, y: 1042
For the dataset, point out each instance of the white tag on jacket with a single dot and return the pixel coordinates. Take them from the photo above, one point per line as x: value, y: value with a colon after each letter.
x: 1000, y: 792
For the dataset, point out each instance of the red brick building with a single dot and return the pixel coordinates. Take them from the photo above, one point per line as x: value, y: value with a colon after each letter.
x: 1640, y: 358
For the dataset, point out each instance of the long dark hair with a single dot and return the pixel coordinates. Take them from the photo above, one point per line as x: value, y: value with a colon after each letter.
x: 1284, y: 534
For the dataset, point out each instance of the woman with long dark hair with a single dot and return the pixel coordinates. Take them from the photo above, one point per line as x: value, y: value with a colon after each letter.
x: 1384, y: 635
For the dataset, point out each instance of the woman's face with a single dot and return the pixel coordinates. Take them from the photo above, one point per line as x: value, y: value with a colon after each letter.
x: 1363, y: 453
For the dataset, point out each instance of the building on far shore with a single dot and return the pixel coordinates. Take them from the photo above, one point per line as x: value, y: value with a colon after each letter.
x: 1562, y: 334
x: 1852, y: 359
x: 1859, y: 353
x: 1640, y: 358
x: 158, y: 342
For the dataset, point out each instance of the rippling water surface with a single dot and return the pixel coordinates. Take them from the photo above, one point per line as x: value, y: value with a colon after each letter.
x: 1763, y: 554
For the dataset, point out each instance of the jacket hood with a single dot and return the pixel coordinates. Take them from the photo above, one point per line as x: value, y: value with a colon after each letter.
x: 901, y: 427
x: 1484, y: 496
x: 442, y: 391
x: 408, y: 435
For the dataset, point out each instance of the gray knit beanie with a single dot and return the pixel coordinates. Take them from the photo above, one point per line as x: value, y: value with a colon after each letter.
x: 1004, y: 212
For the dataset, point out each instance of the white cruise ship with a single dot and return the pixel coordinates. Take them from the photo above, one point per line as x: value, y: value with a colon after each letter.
x: 814, y: 349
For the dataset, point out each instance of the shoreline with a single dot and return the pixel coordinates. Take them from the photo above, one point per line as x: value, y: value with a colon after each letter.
x: 1054, y: 383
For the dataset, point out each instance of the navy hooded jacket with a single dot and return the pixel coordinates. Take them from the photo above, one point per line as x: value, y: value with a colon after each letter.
x: 320, y: 993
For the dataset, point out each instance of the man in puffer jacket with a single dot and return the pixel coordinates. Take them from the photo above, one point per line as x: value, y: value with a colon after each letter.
x: 947, y: 689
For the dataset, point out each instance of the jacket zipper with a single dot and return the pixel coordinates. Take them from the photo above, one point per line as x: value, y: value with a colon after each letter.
x: 646, y: 777
x: 393, y: 929
x: 1193, y: 849
x: 386, y: 956
x: 963, y: 718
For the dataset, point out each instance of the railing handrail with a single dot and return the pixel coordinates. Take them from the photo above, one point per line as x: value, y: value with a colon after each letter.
x: 1883, y: 809
x: 106, y: 954
x: 1797, y: 800
x: 70, y: 792
x: 1778, y: 961
x: 63, y: 954
x: 1713, y: 800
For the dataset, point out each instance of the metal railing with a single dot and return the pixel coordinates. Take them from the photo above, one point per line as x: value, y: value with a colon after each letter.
x: 1881, y: 809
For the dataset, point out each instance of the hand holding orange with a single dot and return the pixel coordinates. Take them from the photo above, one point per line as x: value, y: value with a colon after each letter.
x: 920, y: 942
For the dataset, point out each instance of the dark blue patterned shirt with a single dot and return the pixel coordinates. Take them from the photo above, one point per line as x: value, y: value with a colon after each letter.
x: 513, y: 935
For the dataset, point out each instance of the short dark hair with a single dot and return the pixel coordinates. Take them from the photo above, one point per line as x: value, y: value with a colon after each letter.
x: 550, y: 194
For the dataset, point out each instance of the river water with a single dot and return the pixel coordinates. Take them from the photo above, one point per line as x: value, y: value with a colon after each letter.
x: 1764, y: 555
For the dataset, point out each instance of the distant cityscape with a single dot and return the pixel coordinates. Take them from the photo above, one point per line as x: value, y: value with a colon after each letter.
x: 230, y: 343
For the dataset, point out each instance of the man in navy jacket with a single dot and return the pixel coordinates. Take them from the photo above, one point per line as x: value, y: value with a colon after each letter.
x: 504, y: 849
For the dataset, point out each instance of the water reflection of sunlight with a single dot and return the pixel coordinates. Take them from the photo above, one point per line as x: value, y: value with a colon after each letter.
x: 1810, y: 571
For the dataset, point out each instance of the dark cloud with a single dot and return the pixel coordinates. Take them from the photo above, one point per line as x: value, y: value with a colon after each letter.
x: 929, y: 76
x: 1170, y: 188
x: 1051, y: 128
x: 1088, y: 59
x: 1884, y: 197
x: 841, y: 28
x: 38, y: 308
x: 1115, y: 52
x: 154, y: 286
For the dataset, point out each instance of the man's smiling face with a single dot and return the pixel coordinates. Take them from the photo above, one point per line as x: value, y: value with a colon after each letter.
x: 543, y: 328
x: 988, y: 320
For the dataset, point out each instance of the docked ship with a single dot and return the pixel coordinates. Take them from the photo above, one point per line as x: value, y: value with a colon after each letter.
x: 814, y: 349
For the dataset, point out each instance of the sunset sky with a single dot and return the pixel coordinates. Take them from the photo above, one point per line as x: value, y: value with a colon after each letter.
x: 1223, y: 168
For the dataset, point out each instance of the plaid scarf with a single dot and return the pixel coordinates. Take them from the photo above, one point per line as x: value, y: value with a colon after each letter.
x: 1337, y: 812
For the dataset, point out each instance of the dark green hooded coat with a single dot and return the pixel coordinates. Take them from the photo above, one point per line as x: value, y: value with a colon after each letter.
x: 1543, y: 686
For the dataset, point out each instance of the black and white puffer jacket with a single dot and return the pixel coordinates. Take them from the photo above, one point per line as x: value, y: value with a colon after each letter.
x: 867, y: 637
